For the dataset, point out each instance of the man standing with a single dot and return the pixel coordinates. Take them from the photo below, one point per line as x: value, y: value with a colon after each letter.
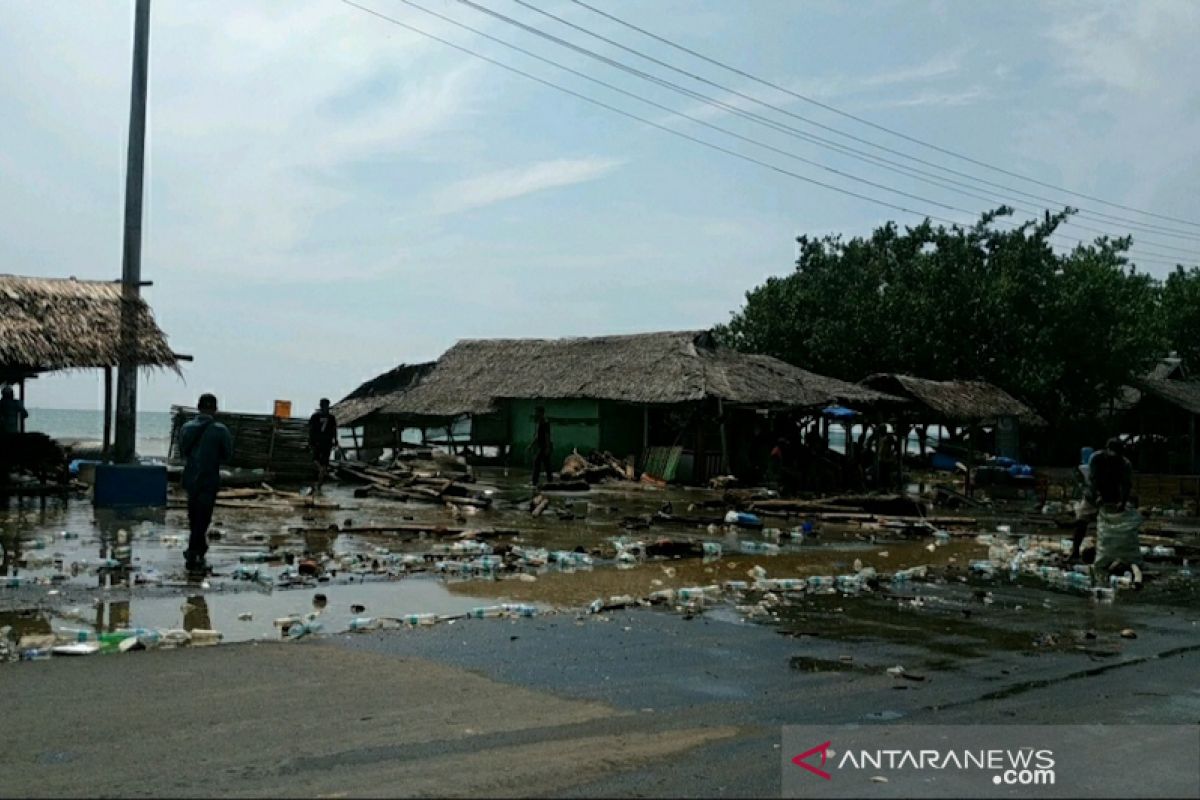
x: 205, y: 444
x: 12, y: 412
x: 541, y: 445
x: 322, y: 436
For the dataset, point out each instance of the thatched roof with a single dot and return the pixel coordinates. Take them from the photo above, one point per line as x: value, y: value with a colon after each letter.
x: 1181, y: 393
x: 56, y: 324
x: 654, y: 368
x: 375, y: 393
x: 956, y: 402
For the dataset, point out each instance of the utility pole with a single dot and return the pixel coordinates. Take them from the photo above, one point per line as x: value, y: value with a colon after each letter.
x: 131, y: 263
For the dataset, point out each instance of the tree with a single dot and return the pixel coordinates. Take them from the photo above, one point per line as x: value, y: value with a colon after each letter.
x: 1181, y: 315
x: 1062, y: 331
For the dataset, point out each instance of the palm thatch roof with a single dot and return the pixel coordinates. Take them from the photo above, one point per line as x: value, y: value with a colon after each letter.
x: 957, y: 402
x: 377, y: 392
x: 64, y: 324
x: 653, y: 368
x: 1180, y: 393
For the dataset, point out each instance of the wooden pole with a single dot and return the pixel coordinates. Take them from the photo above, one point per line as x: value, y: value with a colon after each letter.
x: 131, y: 266
x: 724, y: 438
x: 108, y: 412
x: 21, y: 397
x: 1192, y: 440
x: 645, y: 436
x: 970, y: 487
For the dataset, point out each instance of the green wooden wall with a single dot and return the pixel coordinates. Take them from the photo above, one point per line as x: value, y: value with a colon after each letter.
x: 574, y: 424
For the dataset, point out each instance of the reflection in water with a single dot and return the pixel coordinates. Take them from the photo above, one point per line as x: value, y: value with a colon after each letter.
x: 195, y: 614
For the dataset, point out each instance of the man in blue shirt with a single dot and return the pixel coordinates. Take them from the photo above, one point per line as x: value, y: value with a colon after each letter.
x: 205, y: 444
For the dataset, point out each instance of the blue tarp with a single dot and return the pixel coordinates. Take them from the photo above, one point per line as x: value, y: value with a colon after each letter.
x: 839, y: 412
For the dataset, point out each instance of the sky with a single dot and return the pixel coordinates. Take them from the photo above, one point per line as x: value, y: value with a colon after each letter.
x: 329, y: 195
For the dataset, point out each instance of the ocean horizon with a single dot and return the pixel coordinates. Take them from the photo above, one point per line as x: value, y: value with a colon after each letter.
x: 153, y: 434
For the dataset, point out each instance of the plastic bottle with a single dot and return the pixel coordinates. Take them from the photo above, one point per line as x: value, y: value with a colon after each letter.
x: 820, y: 582
x: 419, y: 619
x: 712, y: 548
x: 1184, y: 570
x: 481, y: 612
x: 35, y: 654
x: 203, y: 637
x: 76, y: 634
x: 759, y: 548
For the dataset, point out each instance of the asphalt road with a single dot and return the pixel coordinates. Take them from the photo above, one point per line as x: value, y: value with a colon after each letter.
x: 637, y: 703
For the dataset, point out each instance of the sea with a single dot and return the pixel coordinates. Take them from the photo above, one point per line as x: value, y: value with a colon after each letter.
x: 153, y: 435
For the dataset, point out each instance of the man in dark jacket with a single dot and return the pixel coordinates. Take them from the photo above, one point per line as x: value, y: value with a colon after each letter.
x: 205, y: 444
x: 322, y: 436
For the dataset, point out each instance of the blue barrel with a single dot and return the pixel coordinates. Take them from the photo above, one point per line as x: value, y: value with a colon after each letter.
x: 1085, y: 455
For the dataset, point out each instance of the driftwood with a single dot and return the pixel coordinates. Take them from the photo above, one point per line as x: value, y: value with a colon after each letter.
x: 433, y: 529
x: 890, y: 505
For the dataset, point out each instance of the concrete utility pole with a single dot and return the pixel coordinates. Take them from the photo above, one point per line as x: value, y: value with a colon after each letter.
x: 131, y: 265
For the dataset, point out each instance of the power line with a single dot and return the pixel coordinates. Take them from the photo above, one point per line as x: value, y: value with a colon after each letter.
x: 643, y: 120
x: 861, y: 120
x: 935, y: 180
x: 648, y: 122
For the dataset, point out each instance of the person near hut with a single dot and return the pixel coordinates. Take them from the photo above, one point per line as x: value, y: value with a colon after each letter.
x: 322, y: 436
x: 12, y: 412
x: 1109, y: 484
x: 542, y: 447
x: 205, y: 444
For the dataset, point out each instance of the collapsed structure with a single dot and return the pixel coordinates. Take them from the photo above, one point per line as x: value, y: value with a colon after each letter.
x: 632, y: 395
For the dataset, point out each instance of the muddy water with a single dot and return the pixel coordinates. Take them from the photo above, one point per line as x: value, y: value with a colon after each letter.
x: 61, y: 547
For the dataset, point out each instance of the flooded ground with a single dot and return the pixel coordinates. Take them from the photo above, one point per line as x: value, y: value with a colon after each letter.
x: 75, y: 572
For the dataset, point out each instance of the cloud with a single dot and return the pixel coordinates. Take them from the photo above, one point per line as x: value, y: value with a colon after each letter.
x: 509, y: 184
x: 932, y: 97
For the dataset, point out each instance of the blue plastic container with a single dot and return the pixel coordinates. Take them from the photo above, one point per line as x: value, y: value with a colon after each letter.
x: 130, y: 486
x: 1085, y: 455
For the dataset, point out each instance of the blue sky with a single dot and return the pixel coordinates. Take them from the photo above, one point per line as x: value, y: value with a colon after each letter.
x: 330, y: 195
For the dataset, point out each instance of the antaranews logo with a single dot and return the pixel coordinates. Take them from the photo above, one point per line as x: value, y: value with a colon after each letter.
x: 1024, y: 766
x: 800, y: 760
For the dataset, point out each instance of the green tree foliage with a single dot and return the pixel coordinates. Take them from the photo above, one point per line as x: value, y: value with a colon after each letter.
x: 1060, y: 331
x: 1181, y: 314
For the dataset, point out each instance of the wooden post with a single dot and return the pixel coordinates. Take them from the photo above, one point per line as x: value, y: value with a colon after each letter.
x: 724, y: 439
x: 645, y: 436
x: 970, y: 487
x: 698, y: 466
x: 21, y: 397
x: 108, y: 407
x: 1192, y: 440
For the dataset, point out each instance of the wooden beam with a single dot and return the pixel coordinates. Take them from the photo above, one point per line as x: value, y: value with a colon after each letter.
x: 108, y: 409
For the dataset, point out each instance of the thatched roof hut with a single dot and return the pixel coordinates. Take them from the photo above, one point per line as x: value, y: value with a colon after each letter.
x: 64, y: 324
x: 1183, y: 394
x: 955, y: 402
x: 647, y: 368
x: 377, y: 392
